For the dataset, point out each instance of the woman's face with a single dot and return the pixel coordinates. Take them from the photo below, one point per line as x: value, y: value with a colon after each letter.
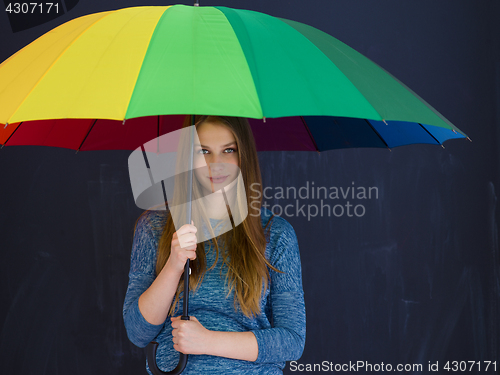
x: 218, y: 145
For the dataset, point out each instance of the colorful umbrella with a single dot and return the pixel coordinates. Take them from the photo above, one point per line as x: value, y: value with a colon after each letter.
x: 150, y: 61
x: 114, y: 80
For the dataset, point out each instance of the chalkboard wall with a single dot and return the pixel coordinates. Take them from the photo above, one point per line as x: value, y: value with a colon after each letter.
x: 413, y: 280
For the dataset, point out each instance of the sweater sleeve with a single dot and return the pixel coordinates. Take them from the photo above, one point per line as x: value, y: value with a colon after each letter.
x: 285, y: 340
x: 141, y: 276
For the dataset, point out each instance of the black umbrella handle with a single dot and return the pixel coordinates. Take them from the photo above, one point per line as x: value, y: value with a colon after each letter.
x: 153, y: 346
x: 151, y: 356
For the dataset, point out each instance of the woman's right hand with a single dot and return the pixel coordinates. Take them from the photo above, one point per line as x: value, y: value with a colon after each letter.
x: 183, y: 247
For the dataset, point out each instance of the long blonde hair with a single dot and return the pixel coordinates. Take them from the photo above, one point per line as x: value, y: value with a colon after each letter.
x: 244, y: 246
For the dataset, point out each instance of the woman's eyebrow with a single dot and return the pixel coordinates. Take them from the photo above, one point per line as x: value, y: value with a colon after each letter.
x: 226, y: 145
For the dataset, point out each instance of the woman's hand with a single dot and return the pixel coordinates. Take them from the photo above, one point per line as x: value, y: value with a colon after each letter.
x: 183, y: 247
x: 189, y: 336
x: 155, y: 302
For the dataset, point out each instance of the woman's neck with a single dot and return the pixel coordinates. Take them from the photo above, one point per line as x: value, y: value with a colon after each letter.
x: 215, y: 204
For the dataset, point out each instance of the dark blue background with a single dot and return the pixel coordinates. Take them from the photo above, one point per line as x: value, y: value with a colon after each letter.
x: 416, y: 279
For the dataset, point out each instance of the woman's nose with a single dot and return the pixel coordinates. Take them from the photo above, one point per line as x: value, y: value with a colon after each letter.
x: 216, y: 167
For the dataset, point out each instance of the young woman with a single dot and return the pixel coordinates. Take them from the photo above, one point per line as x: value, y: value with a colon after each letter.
x: 247, y: 313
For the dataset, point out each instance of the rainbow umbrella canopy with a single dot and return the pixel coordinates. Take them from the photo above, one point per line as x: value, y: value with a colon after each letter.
x: 107, y: 80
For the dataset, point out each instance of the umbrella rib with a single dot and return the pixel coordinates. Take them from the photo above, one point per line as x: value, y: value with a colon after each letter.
x: 164, y: 194
x: 86, y: 135
x: 12, y: 134
x: 378, y: 135
x: 428, y: 132
x: 150, y: 173
x: 158, y: 134
x: 309, y: 132
x: 228, y: 208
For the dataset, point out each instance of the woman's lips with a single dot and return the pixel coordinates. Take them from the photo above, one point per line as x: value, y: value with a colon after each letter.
x: 218, y: 179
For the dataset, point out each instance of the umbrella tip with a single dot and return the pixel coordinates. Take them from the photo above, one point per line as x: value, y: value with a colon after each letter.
x: 6, y: 125
x: 470, y: 140
x: 443, y: 146
x: 264, y: 120
x: 196, y: 3
x: 123, y: 123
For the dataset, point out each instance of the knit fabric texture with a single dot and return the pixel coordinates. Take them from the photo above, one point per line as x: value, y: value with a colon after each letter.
x: 280, y: 328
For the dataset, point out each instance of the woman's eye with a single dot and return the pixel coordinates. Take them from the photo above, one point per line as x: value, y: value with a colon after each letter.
x: 202, y: 151
x: 229, y: 150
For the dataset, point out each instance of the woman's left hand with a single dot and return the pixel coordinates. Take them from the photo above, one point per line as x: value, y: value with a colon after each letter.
x: 189, y: 336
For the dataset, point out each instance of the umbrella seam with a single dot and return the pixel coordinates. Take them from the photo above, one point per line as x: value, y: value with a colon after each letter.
x: 247, y: 58
x: 426, y: 104
x: 122, y: 27
x: 423, y: 127
x: 332, y: 63
x: 86, y: 135
x: 309, y: 133
x: 378, y: 134
x: 194, y: 24
x: 143, y: 59
x: 10, y: 136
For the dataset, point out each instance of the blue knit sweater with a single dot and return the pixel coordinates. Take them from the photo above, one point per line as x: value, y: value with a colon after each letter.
x: 280, y: 328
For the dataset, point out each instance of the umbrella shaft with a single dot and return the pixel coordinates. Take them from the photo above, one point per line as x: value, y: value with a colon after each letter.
x: 185, y: 305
